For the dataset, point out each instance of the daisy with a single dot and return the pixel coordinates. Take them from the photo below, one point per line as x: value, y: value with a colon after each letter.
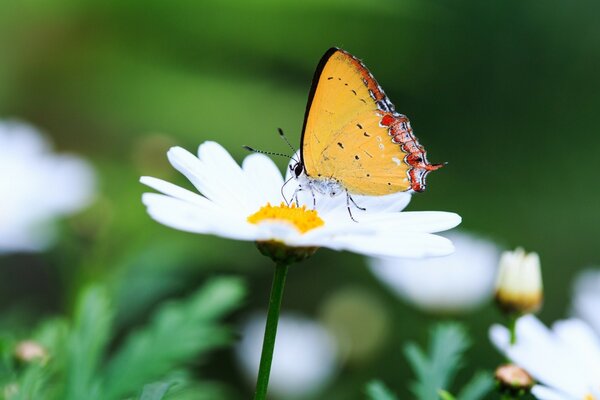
x: 246, y: 203
x: 253, y: 203
x: 565, y: 360
x: 455, y: 283
x: 37, y: 187
x: 305, y: 360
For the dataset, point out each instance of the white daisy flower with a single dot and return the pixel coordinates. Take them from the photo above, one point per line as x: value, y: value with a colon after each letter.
x: 586, y: 299
x: 245, y: 203
x: 455, y: 283
x: 37, y: 186
x: 565, y: 360
x: 305, y: 355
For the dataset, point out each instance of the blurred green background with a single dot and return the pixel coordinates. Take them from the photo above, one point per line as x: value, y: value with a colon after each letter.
x: 507, y: 92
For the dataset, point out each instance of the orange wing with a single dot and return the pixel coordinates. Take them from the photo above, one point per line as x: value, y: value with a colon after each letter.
x: 353, y: 134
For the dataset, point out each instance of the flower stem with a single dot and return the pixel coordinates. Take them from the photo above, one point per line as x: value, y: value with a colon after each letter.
x: 512, y: 327
x: 266, y: 357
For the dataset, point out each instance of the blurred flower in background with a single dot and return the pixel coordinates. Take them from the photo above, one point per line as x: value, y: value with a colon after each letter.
x: 586, y: 297
x: 37, y: 186
x: 565, y: 360
x: 359, y: 320
x: 456, y: 283
x: 305, y: 357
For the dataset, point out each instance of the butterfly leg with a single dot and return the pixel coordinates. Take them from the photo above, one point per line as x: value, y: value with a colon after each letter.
x: 283, y: 194
x: 295, y: 196
x: 348, y: 206
x: 353, y: 202
x: 349, y: 200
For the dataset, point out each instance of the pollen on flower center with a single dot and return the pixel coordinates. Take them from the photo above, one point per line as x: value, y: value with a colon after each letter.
x: 303, y: 219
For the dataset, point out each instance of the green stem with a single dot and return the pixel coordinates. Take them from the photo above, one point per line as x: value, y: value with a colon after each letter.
x: 512, y: 328
x: 266, y: 357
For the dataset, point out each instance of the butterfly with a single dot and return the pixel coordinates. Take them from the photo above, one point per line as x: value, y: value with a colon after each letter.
x: 353, y: 140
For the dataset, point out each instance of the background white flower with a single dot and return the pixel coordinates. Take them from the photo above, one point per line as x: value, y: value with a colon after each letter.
x: 565, y: 360
x: 36, y: 187
x: 230, y: 195
x: 305, y: 357
x: 586, y: 297
x: 455, y: 283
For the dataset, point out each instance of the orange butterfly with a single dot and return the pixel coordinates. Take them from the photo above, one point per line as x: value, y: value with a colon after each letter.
x: 353, y: 140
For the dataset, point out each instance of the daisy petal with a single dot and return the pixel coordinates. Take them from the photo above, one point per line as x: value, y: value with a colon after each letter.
x: 583, y: 344
x: 189, y: 217
x: 394, y: 202
x: 208, y: 176
x: 413, y: 221
x: 176, y: 191
x: 410, y: 245
x: 545, y: 393
x: 262, y: 172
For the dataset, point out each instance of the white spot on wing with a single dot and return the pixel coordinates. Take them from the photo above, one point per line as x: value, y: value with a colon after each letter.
x: 396, y: 160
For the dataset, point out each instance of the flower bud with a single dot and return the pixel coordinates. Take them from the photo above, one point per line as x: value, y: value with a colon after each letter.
x: 513, y: 379
x: 28, y: 351
x: 519, y: 282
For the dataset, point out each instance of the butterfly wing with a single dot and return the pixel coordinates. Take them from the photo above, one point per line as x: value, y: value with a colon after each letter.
x: 353, y: 134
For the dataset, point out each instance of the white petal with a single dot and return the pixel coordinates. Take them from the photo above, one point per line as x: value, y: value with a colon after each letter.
x: 395, y: 202
x: 264, y: 178
x: 176, y: 191
x: 545, y: 393
x: 411, y: 245
x: 189, y: 217
x: 413, y: 221
x: 217, y: 184
x: 583, y: 346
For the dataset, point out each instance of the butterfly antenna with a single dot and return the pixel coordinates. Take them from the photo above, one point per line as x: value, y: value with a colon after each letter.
x: 270, y: 153
x: 286, y: 139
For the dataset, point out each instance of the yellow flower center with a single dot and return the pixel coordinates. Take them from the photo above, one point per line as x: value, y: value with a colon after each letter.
x: 304, y: 220
x: 589, y: 397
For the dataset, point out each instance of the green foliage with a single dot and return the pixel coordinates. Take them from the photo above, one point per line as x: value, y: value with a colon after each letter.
x: 376, y: 390
x: 176, y: 331
x: 436, y: 368
x: 155, y: 391
x: 79, y: 366
x: 480, y: 384
x: 87, y: 344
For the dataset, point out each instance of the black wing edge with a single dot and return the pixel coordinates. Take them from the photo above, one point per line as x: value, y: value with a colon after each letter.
x: 311, y: 95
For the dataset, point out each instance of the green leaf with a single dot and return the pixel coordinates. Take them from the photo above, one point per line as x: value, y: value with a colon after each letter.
x: 435, y: 371
x: 31, y: 382
x: 87, y: 344
x: 155, y: 391
x: 376, y: 390
x: 480, y: 385
x: 178, y: 333
x: 445, y: 395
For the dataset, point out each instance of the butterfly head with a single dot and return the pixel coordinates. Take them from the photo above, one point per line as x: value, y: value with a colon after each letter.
x: 297, y: 169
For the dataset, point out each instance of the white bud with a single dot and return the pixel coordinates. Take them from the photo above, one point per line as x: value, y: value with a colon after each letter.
x: 519, y: 282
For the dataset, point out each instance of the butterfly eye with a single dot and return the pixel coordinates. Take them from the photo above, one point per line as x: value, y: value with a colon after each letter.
x: 298, y: 169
